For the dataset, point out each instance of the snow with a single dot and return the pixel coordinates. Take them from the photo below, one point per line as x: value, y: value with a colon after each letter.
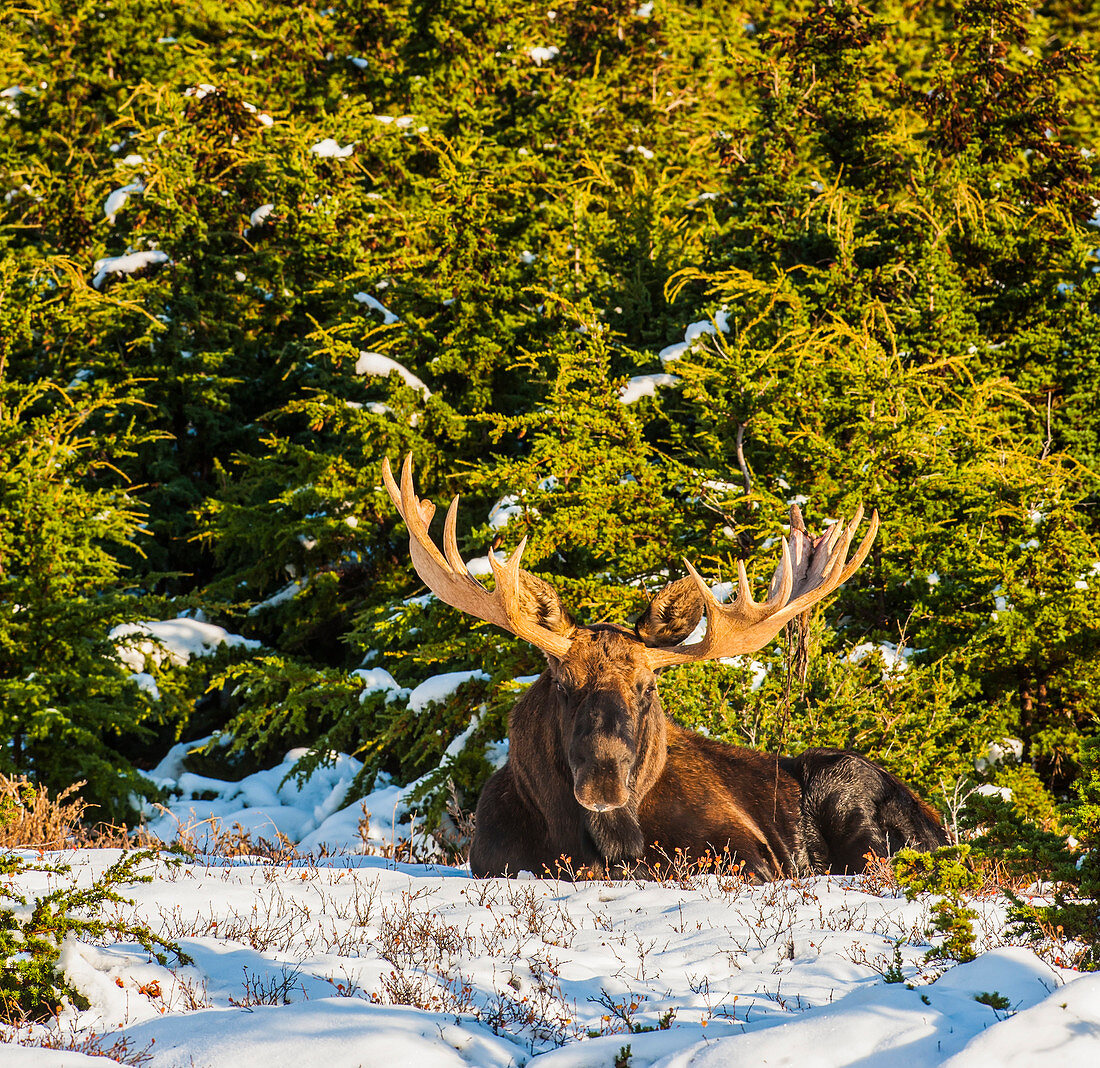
x: 336, y: 1032
x: 1092, y: 574
x: 719, y: 485
x: 127, y: 263
x: 116, y: 200
x: 886, y: 1025
x: 645, y: 386
x: 376, y: 305
x: 8, y: 98
x: 480, y: 567
x: 997, y: 751
x: 280, y: 596
x: 705, y: 327
x: 260, y: 214
x: 376, y: 680
x: 12, y: 1056
x: 267, y: 803
x: 144, y: 681
x: 331, y: 149
x: 440, y: 687
x: 542, y: 54
x: 1064, y: 1026
x: 374, y: 363
x: 757, y: 670
x: 895, y: 660
x: 357, y: 959
x: 718, y: 324
x: 504, y: 511
x: 673, y: 351
x: 177, y: 639
x: 314, y: 813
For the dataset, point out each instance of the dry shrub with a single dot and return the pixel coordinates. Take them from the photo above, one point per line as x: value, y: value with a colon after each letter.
x: 118, y: 1049
x: 419, y: 849
x: 217, y: 840
x: 30, y: 817
x: 880, y: 879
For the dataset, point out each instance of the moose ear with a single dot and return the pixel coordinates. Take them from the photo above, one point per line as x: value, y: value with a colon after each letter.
x: 672, y: 615
x: 541, y: 601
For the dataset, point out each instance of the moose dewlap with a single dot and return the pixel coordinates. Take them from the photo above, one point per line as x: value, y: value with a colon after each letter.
x: 599, y: 780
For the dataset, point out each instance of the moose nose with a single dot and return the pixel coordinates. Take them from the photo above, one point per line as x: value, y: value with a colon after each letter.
x: 598, y: 806
x: 601, y: 789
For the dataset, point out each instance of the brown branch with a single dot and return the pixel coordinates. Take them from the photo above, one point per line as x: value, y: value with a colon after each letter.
x: 741, y: 458
x: 1049, y: 441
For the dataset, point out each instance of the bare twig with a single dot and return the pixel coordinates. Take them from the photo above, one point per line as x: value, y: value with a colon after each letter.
x: 1049, y: 441
x: 741, y: 427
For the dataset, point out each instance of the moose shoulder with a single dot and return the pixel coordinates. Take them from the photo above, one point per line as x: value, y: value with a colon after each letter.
x: 598, y: 774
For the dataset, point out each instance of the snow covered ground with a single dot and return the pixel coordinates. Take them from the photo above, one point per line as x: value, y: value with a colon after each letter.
x: 357, y: 960
x: 334, y: 953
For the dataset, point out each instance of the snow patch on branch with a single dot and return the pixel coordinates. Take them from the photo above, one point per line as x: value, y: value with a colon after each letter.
x: 374, y: 363
x: 440, y: 687
x: 718, y: 324
x: 174, y: 640
x: 895, y: 659
x: 128, y: 263
x: 645, y: 386
x: 117, y: 198
x: 329, y: 148
x: 374, y: 304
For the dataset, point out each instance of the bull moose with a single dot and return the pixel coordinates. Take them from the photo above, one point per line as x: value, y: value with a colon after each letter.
x: 599, y: 779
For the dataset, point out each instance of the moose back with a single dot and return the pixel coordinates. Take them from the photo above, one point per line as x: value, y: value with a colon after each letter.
x: 598, y: 779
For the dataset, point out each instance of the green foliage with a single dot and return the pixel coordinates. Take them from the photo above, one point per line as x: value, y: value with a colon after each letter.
x: 32, y: 934
x: 944, y: 871
x: 879, y: 222
x: 1069, y: 918
x: 994, y: 999
x: 893, y: 973
x: 68, y: 525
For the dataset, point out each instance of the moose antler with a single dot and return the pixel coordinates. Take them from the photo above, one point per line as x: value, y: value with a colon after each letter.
x: 447, y: 577
x: 811, y: 568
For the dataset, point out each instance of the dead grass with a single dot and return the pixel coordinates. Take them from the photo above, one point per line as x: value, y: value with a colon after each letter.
x: 119, y: 1049
x: 211, y: 838
x: 31, y: 818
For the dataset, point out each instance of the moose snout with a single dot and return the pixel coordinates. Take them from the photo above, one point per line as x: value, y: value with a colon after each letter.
x: 602, y: 787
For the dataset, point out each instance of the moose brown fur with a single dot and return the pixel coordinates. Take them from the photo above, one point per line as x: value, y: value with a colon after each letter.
x: 599, y: 780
